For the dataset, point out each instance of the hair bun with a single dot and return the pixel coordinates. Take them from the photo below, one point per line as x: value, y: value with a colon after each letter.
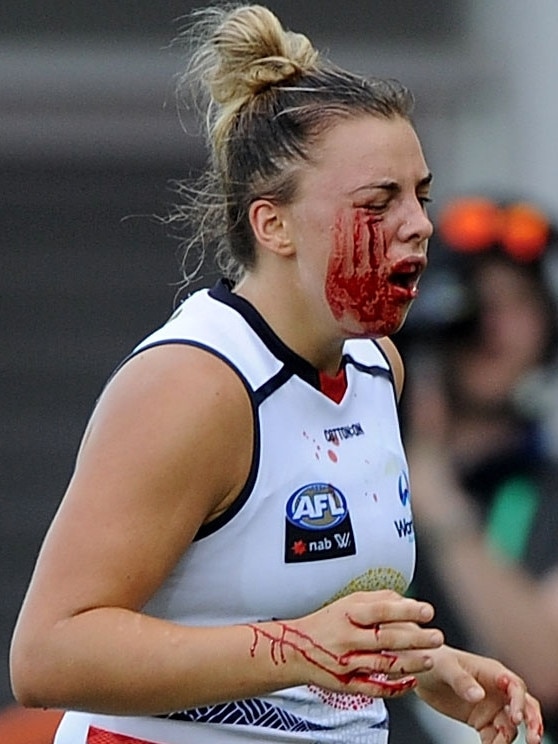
x: 257, y: 76
x: 254, y: 51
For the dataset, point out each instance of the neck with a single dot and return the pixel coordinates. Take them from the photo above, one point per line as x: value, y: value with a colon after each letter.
x: 294, y: 321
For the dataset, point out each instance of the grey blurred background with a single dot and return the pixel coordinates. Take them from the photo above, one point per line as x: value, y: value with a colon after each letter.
x: 90, y: 139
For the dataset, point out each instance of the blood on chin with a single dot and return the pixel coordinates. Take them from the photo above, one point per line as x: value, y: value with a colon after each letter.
x: 368, y: 314
x: 354, y: 326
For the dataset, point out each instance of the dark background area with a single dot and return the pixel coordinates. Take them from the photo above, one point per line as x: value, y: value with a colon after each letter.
x: 89, y: 141
x: 381, y: 19
x: 79, y: 285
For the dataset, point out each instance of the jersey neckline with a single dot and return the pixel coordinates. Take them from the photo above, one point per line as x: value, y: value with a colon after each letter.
x: 222, y: 291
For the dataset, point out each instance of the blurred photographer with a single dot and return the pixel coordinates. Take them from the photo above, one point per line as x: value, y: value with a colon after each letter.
x: 479, y: 416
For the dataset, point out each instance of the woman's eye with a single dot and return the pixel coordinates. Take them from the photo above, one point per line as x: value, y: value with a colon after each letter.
x: 424, y: 200
x: 376, y: 208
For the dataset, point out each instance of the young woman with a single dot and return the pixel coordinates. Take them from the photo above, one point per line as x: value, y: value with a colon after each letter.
x: 230, y: 558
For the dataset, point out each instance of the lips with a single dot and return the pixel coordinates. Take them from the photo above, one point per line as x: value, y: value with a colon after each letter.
x: 404, y: 276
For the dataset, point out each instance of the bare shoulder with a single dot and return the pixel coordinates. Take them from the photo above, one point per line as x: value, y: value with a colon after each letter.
x: 169, y: 445
x: 396, y: 363
x: 181, y: 404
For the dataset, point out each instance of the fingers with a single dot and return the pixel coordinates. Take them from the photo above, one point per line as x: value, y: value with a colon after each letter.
x: 522, y: 707
x: 503, y: 731
x: 395, y: 664
x: 380, y: 674
x: 391, y: 622
x: 380, y: 685
x: 532, y: 716
x: 498, y: 734
x: 398, y: 636
x: 515, y: 692
x: 370, y: 608
x: 518, y: 707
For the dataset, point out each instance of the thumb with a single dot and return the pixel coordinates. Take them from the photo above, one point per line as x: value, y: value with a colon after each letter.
x: 466, y: 686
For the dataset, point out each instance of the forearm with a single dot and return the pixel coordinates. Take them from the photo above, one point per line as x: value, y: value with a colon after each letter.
x: 111, y: 660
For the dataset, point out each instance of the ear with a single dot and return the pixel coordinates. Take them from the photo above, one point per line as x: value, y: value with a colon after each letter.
x: 269, y: 227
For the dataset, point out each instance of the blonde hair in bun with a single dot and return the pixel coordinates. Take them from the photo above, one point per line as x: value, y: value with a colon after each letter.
x: 253, y: 51
x: 244, y: 50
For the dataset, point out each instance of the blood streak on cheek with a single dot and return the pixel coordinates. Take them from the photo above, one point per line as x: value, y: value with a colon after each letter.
x: 357, y: 288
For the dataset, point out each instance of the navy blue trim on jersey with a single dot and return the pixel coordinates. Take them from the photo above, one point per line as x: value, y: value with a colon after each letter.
x: 249, y: 712
x: 377, y: 370
x: 293, y: 361
x: 271, y: 385
x: 257, y: 712
x: 373, y: 369
x: 242, y: 498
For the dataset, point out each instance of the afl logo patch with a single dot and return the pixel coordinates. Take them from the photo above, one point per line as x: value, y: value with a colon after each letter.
x: 317, y: 524
x: 317, y: 507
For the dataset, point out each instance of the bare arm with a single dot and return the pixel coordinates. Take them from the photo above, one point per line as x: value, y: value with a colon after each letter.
x: 145, y: 480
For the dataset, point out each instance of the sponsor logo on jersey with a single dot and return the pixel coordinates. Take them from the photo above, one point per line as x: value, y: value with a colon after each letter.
x: 404, y: 489
x: 317, y: 524
x: 343, y: 432
x: 404, y: 527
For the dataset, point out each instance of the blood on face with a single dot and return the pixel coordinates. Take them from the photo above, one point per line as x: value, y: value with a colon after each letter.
x: 357, y: 286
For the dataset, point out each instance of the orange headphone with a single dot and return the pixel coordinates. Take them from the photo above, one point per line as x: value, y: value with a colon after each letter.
x: 475, y: 224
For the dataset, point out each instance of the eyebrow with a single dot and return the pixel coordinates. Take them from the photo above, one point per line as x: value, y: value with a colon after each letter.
x: 392, y: 186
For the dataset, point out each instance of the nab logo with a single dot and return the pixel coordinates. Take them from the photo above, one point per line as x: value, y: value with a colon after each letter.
x: 317, y: 506
x: 404, y: 489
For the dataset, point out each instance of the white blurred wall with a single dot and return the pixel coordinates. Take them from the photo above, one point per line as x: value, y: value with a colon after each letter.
x: 506, y: 138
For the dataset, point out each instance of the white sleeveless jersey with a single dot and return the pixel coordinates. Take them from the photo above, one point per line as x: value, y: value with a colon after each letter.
x: 325, y: 511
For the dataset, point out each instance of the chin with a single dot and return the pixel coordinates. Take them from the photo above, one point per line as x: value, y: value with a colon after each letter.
x: 372, y: 330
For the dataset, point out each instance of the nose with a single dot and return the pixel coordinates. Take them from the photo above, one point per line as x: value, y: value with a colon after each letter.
x: 416, y: 225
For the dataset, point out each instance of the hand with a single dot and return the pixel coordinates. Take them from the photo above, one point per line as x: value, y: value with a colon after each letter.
x: 483, y: 693
x: 367, y: 643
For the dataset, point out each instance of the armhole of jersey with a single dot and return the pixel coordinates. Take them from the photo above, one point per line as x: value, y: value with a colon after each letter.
x: 387, y: 360
x: 244, y: 494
